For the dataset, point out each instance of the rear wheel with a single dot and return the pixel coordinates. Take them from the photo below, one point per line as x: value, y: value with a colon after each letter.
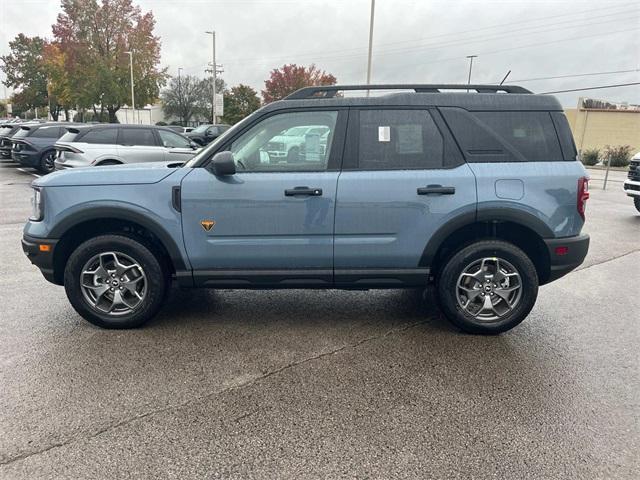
x: 47, y: 164
x: 114, y: 281
x: 636, y: 202
x: 488, y: 287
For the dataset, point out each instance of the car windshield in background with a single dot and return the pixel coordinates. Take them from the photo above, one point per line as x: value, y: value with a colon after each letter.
x: 200, y: 129
x: 296, y: 132
x: 23, y: 132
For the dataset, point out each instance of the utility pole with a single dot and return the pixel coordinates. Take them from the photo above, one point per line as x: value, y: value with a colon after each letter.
x: 180, y: 98
x: 470, y: 57
x: 373, y: 8
x: 133, y: 101
x: 213, y: 73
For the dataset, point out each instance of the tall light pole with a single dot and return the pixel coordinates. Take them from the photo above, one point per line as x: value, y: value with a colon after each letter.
x: 133, y: 100
x: 470, y: 57
x: 373, y: 8
x: 213, y: 73
x: 180, y: 98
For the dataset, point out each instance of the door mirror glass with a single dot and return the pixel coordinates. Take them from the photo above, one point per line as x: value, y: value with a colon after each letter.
x: 194, y: 145
x: 222, y: 164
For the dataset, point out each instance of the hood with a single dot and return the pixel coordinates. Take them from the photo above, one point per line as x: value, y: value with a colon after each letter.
x: 129, y: 174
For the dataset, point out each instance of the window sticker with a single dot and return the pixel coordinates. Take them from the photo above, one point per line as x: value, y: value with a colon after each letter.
x: 384, y: 134
x: 409, y: 139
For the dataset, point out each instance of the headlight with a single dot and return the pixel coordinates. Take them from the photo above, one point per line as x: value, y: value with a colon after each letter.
x: 37, y: 210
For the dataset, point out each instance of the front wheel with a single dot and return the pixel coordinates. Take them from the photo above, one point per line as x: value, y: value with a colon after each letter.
x: 47, y: 162
x: 114, y: 281
x: 636, y: 202
x: 488, y: 287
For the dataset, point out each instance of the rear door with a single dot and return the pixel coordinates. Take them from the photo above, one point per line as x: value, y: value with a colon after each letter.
x: 137, y: 145
x: 403, y: 178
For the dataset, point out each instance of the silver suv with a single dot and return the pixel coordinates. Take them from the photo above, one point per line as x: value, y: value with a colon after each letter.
x: 112, y: 144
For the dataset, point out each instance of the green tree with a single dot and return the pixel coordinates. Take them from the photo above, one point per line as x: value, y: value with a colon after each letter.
x: 289, y: 78
x: 3, y: 109
x: 25, y: 72
x: 241, y: 101
x: 94, y: 38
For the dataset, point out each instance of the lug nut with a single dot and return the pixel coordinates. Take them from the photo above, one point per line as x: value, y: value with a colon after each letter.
x: 111, y: 289
x: 123, y: 287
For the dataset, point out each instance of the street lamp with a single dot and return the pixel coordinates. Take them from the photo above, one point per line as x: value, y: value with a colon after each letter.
x: 180, y: 98
x: 213, y: 72
x: 470, y: 57
x: 373, y: 7
x: 133, y: 101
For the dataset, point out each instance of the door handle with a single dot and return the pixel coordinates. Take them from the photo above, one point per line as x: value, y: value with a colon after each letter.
x: 436, y: 190
x: 312, y: 192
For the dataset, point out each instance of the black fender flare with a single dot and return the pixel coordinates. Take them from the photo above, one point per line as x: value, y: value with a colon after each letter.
x: 490, y: 214
x: 103, y: 212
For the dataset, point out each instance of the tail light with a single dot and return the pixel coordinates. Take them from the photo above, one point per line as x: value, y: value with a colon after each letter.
x: 583, y: 195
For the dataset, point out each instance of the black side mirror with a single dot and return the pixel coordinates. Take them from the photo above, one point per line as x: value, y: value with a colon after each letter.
x: 194, y: 145
x: 222, y: 164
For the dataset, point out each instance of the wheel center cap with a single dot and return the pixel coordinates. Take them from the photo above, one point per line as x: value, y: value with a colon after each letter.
x: 487, y: 288
x: 114, y: 283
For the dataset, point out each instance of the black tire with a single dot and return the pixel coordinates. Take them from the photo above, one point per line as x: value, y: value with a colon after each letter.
x: 455, y: 266
x: 636, y: 202
x: 47, y: 160
x: 157, y: 280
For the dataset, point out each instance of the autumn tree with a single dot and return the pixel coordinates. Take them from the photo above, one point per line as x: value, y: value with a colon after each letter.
x: 25, y: 72
x: 241, y: 101
x: 185, y: 97
x: 289, y: 78
x: 94, y: 37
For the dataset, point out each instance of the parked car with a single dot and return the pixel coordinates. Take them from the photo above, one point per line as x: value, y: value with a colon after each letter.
x: 32, y: 145
x: 205, y: 134
x: 291, y: 143
x: 476, y: 195
x: 7, y: 130
x: 180, y: 129
x: 113, y: 144
x: 632, y: 184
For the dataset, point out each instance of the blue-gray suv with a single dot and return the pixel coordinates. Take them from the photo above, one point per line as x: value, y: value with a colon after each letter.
x: 474, y: 190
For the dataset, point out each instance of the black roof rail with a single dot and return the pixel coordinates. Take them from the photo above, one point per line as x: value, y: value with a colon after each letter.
x: 329, y: 91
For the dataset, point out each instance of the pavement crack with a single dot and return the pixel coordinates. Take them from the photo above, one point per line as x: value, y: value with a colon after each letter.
x: 192, y: 401
x: 608, y: 260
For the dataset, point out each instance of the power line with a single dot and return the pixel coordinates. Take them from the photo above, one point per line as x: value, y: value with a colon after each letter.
x: 593, y: 88
x: 521, y: 80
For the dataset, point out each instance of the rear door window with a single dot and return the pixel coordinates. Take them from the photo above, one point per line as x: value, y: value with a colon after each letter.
x: 105, y: 136
x: 399, y: 140
x: 173, y: 140
x: 137, y: 136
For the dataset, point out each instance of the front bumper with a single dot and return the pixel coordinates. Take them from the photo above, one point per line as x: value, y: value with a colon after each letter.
x: 565, y: 254
x: 26, y: 159
x: 632, y: 188
x: 40, y: 252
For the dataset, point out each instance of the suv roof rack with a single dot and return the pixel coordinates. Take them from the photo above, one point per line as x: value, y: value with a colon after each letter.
x: 329, y: 91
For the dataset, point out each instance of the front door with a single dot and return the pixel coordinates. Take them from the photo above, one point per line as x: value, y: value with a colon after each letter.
x: 272, y: 222
x: 403, y: 178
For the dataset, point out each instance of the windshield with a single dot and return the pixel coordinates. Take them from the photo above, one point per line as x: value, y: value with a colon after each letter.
x: 23, y: 132
x: 295, y: 132
x: 200, y: 129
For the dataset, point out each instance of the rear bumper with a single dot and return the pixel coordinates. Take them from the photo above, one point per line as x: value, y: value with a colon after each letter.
x: 31, y: 247
x: 565, y: 254
x: 26, y: 159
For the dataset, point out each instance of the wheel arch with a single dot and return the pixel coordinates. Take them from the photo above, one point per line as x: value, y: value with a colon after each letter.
x: 519, y: 228
x: 90, y: 222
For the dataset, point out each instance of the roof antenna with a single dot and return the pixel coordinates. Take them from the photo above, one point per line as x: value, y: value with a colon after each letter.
x: 505, y: 77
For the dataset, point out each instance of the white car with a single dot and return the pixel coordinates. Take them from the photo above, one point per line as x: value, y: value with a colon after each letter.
x: 290, y: 144
x: 113, y: 144
x: 632, y: 184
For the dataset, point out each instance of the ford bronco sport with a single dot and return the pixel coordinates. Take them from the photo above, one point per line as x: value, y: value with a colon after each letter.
x: 478, y: 194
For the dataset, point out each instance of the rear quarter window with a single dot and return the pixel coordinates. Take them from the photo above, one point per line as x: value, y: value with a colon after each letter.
x: 46, y: 132
x: 106, y: 136
x: 505, y: 136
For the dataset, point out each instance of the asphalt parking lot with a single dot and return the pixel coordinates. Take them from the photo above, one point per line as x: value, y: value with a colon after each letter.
x: 324, y: 384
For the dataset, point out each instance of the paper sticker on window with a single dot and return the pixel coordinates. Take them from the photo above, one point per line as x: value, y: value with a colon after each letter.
x: 384, y: 134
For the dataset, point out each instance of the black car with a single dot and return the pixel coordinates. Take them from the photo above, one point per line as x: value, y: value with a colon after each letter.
x: 7, y: 130
x: 205, y: 134
x: 32, y: 145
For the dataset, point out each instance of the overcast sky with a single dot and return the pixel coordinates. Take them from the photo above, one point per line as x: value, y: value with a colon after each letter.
x: 414, y: 41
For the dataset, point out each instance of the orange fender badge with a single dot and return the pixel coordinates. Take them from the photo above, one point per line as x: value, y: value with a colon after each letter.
x: 207, y: 224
